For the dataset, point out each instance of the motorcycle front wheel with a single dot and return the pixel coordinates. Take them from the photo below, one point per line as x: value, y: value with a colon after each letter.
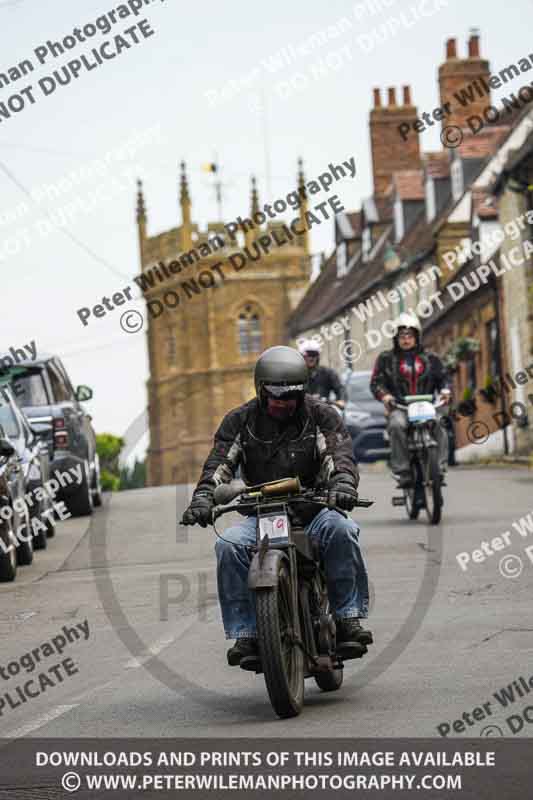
x: 281, y: 658
x: 432, y: 488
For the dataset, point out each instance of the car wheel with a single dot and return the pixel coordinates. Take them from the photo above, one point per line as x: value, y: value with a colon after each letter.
x: 8, y: 560
x: 40, y: 539
x: 80, y: 504
x: 25, y: 542
x: 97, y: 488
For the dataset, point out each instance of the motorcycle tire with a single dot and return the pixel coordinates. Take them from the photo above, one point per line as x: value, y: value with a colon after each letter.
x: 432, y: 489
x: 282, y: 661
x: 25, y: 542
x: 412, y: 508
x: 8, y: 561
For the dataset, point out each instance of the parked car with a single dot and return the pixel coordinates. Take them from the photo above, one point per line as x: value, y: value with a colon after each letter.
x: 11, y: 489
x: 33, y: 458
x: 365, y: 418
x: 44, y: 392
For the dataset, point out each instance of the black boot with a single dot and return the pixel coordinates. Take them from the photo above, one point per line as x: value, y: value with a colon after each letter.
x: 352, y: 639
x: 244, y: 653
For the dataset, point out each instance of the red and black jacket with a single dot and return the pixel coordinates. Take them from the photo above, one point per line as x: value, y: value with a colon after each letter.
x: 393, y: 374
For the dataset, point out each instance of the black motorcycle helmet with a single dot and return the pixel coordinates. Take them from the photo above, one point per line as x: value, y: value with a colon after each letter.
x: 281, y: 372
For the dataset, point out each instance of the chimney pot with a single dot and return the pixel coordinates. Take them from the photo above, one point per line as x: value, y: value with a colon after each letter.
x: 377, y: 98
x: 451, y: 49
x: 407, y: 95
x: 473, y: 46
x: 392, y: 96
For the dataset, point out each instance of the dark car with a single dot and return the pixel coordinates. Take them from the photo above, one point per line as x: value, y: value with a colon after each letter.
x: 44, y: 392
x: 365, y: 419
x: 32, y: 455
x: 11, y: 520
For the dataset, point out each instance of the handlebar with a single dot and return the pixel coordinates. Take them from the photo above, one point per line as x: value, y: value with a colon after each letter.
x: 259, y: 495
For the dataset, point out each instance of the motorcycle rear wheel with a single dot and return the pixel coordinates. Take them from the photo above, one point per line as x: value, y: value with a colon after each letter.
x: 282, y: 660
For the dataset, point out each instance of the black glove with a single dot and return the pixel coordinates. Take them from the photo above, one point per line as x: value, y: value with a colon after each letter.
x: 199, y: 511
x: 342, y: 492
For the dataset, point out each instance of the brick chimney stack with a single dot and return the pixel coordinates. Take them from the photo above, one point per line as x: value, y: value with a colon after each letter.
x: 466, y: 77
x: 390, y: 152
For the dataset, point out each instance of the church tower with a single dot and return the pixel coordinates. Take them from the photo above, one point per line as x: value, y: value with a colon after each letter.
x: 208, y: 318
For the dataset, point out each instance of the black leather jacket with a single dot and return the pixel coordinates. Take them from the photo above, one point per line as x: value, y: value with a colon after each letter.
x: 313, y: 445
x: 324, y: 380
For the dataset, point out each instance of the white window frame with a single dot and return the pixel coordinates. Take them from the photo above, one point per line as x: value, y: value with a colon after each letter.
x: 431, y: 200
x: 398, y: 220
x: 456, y: 174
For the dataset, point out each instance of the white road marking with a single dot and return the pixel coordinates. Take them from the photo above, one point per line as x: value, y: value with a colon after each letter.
x: 152, y: 651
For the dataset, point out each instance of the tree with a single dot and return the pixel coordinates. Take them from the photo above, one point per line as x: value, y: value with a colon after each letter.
x: 134, y: 478
x: 108, y: 448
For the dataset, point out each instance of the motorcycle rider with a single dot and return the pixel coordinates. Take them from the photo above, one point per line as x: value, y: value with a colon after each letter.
x: 284, y: 432
x: 404, y: 370
x: 322, y: 380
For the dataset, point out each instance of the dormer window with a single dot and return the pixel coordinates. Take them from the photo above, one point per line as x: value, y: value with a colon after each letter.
x: 398, y: 220
x: 366, y: 242
x: 456, y: 173
x: 341, y: 259
x: 431, y: 203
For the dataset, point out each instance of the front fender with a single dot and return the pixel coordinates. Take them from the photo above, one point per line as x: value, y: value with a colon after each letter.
x: 266, y: 574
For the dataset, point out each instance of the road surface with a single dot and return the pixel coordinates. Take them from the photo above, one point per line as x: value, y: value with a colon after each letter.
x: 153, y: 663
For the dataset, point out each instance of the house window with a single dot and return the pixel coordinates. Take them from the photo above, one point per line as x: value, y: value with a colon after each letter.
x: 431, y: 205
x: 249, y: 331
x: 471, y: 381
x: 398, y: 220
x: 494, y: 348
x: 341, y: 259
x: 456, y: 173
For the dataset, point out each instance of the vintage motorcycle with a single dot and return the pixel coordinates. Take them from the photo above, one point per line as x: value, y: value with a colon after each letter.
x: 295, y: 629
x: 426, y: 491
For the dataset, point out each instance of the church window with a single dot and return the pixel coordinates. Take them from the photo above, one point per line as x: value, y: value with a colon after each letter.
x: 249, y: 331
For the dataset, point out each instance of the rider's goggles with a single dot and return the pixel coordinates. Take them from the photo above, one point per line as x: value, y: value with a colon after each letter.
x: 406, y: 332
x: 312, y: 353
x: 290, y: 392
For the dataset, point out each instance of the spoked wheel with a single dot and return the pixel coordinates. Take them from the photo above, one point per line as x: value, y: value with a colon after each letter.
x: 281, y: 658
x: 413, y: 499
x: 412, y: 508
x: 432, y: 487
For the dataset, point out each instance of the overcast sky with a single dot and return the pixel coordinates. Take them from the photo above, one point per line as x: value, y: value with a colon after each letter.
x: 209, y: 83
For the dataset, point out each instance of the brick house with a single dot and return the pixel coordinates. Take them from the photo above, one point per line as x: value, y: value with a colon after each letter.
x: 396, y: 254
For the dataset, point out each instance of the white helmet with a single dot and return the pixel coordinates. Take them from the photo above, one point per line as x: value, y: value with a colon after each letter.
x: 408, y: 320
x: 309, y: 346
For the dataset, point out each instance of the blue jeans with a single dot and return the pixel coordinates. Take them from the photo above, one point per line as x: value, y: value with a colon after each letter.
x: 338, y: 541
